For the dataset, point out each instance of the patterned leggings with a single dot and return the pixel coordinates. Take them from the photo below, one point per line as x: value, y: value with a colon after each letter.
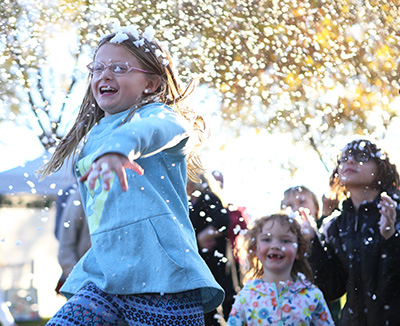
x: 93, y: 307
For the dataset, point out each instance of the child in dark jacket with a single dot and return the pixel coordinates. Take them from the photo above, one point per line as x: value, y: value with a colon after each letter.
x: 359, y: 250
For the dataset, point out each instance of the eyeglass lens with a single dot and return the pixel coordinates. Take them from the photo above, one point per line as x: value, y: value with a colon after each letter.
x: 357, y: 155
x: 118, y: 68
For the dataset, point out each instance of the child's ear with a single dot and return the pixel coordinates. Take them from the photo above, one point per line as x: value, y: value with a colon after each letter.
x: 153, y: 84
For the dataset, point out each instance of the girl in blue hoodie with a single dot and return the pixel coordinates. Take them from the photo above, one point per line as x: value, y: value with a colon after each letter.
x: 133, y: 142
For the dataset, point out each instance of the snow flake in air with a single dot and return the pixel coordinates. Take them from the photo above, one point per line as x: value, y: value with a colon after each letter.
x: 158, y: 52
x: 149, y: 33
x: 132, y: 30
x: 119, y: 37
x: 139, y: 42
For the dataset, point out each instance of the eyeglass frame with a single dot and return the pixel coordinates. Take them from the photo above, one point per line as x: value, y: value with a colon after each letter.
x: 130, y: 68
x: 356, y: 156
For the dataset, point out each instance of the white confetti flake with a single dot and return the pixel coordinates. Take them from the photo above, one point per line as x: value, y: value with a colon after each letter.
x: 119, y: 37
x: 139, y: 42
x: 158, y: 52
x: 149, y: 33
x: 131, y: 29
x: 237, y: 229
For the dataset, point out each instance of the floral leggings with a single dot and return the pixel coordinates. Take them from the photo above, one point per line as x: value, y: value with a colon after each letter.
x: 91, y: 306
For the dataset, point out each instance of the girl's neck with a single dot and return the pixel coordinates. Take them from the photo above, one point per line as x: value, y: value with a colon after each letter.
x: 362, y: 195
x: 279, y: 280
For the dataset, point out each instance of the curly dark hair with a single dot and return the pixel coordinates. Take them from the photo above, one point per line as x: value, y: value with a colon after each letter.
x: 387, y: 178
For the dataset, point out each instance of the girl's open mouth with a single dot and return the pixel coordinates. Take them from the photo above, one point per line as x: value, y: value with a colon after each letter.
x: 275, y: 256
x: 107, y: 90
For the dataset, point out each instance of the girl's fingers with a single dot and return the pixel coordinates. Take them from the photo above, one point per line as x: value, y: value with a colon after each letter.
x: 105, y: 166
x: 106, y: 174
x: 388, y: 202
x: 386, y: 228
x: 304, y: 216
x: 92, y: 178
x: 84, y: 177
x: 388, y: 216
x: 135, y: 167
x: 121, y: 174
x: 388, y: 207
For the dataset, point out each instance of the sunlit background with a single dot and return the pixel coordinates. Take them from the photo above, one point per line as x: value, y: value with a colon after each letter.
x: 285, y: 83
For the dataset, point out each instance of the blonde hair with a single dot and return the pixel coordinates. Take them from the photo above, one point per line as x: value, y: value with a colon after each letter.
x: 255, y: 267
x: 169, y: 92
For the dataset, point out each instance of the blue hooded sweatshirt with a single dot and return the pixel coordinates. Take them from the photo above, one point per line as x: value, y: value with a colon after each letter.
x: 142, y: 239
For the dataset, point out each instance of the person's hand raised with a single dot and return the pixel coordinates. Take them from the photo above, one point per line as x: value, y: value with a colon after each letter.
x: 329, y: 205
x: 388, y: 216
x: 307, y: 223
x: 206, y: 238
x: 105, y: 166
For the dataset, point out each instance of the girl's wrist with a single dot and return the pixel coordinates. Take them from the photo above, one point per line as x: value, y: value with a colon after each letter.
x: 390, y: 233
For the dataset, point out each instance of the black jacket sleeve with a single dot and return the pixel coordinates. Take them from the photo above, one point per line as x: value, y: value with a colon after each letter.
x: 329, y: 275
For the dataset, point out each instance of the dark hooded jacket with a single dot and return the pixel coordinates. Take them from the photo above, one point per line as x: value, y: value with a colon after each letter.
x: 352, y: 256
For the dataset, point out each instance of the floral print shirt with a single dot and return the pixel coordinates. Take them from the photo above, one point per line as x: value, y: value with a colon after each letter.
x: 298, y: 303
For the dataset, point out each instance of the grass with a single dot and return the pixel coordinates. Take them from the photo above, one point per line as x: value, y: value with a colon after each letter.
x: 41, y: 322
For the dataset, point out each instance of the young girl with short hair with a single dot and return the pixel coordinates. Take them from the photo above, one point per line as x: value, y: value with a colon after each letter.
x: 359, y: 251
x: 143, y: 267
x: 278, y: 290
x: 301, y: 197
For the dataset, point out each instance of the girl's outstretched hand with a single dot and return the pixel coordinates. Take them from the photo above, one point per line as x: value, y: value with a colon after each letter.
x: 388, y: 216
x: 105, y: 165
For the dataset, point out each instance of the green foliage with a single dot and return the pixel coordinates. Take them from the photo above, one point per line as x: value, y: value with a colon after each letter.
x: 27, y: 200
x: 34, y: 323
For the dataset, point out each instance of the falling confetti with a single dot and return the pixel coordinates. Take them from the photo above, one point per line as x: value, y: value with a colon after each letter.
x: 314, y: 68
